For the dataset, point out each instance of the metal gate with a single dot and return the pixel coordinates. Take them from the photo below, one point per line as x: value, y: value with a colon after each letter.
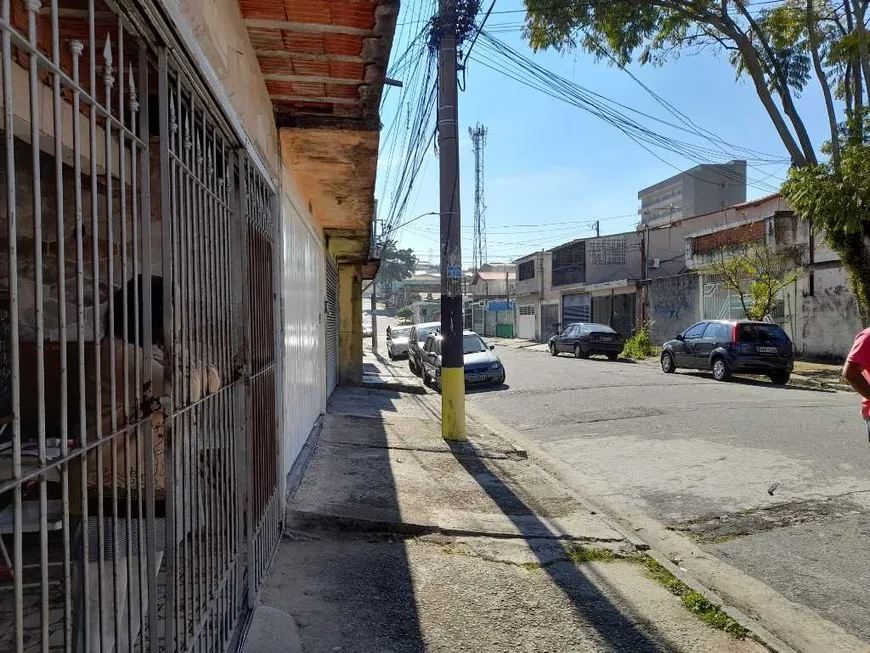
x: 331, y: 326
x: 549, y: 321
x: 138, y: 431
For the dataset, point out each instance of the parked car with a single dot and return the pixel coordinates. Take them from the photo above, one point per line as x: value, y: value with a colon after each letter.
x: 482, y: 366
x: 584, y: 340
x: 732, y: 347
x: 398, y: 341
x: 416, y: 341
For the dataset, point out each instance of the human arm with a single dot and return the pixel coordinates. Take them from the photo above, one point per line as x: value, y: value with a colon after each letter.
x: 857, y: 361
x: 853, y: 372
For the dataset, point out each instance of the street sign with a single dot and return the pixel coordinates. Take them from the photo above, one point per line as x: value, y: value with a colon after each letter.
x: 454, y: 271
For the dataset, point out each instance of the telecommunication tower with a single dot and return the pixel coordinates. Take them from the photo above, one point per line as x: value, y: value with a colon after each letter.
x: 478, y: 140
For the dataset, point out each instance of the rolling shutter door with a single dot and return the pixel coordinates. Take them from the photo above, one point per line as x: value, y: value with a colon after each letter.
x: 576, y: 308
x: 331, y: 326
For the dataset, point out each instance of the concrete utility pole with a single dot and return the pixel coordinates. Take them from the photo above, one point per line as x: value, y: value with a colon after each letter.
x: 374, y: 316
x: 452, y: 368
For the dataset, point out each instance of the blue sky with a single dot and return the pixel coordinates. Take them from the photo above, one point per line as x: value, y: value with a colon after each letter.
x: 552, y: 168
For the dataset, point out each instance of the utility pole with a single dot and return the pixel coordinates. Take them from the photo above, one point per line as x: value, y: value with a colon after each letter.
x: 375, y: 291
x: 597, y: 228
x: 374, y: 316
x: 452, y: 365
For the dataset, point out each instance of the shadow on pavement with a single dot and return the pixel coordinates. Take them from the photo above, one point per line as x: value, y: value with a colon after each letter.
x: 616, y: 629
x: 348, y: 591
x: 746, y: 380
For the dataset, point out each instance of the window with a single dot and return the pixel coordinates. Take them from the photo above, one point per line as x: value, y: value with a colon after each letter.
x: 569, y: 264
x: 599, y: 328
x: 472, y: 344
x: 718, y: 331
x: 574, y: 330
x: 526, y: 271
x: 528, y: 309
x: 695, y: 331
x: 760, y: 333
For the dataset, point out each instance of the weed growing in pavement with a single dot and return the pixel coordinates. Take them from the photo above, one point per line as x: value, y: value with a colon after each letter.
x: 693, y: 601
x: 578, y: 554
x: 639, y: 346
x: 532, y: 566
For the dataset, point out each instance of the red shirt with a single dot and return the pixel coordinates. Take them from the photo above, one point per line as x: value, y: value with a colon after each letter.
x: 860, y: 354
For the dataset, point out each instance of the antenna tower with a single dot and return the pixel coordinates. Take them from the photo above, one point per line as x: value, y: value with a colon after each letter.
x: 478, y: 140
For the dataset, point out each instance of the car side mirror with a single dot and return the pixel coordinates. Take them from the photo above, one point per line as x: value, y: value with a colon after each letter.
x: 680, y: 337
x: 491, y: 347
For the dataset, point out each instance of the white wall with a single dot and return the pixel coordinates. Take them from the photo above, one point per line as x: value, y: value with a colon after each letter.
x: 303, y: 293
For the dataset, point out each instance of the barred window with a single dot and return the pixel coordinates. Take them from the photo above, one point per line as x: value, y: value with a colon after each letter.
x: 526, y: 271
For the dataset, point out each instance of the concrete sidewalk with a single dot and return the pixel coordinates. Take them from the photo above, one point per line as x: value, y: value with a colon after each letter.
x: 396, y: 541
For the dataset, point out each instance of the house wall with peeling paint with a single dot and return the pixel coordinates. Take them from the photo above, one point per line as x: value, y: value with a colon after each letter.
x: 674, y: 305
x: 829, y: 319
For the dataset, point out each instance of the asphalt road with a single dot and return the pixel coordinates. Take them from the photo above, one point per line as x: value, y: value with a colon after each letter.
x: 703, y: 457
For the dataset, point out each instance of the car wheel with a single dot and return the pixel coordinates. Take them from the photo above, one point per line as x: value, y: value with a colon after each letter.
x: 612, y: 357
x: 668, y: 364
x: 426, y: 380
x: 721, y: 370
x: 780, y: 378
x: 579, y: 353
x: 553, y: 351
x: 390, y: 354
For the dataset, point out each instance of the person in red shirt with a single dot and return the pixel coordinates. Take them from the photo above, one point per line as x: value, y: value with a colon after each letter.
x: 857, y: 372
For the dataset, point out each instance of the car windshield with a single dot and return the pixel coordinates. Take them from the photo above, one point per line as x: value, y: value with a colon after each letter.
x: 599, y: 328
x: 400, y: 332
x: 422, y: 334
x: 472, y: 344
x: 761, y: 333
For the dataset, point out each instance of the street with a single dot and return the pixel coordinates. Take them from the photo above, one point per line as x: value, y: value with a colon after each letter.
x: 776, y: 481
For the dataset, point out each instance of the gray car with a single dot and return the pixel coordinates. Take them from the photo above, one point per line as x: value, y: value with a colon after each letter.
x: 398, y: 340
x: 416, y: 341
x: 482, y: 366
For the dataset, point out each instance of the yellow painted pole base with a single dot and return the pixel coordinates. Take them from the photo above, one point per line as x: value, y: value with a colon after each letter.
x: 453, y: 403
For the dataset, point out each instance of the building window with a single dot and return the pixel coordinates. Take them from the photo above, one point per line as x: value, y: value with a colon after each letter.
x: 569, y: 264
x: 607, y: 251
x: 526, y: 271
x: 528, y: 309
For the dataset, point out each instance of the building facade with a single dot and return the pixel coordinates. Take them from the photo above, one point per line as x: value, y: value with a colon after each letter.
x: 187, y: 203
x: 702, y: 189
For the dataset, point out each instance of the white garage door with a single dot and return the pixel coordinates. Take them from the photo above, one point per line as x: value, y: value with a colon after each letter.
x: 526, y: 322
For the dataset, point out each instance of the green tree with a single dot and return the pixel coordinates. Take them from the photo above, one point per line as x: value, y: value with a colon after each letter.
x: 756, y: 274
x: 396, y: 264
x: 782, y: 47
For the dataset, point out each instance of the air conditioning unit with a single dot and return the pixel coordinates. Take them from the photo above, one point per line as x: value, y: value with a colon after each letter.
x: 655, y: 263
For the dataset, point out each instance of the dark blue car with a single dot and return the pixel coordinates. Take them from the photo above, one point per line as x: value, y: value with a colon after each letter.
x: 732, y: 347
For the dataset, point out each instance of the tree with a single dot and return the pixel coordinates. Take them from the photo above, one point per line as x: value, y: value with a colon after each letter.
x: 756, y: 274
x: 396, y: 264
x: 781, y: 47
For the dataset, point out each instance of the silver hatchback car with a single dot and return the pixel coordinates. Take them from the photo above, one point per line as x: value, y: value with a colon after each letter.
x: 398, y: 340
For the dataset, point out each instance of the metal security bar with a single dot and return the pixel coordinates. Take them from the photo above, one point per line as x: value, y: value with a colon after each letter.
x: 77, y: 426
x: 264, y: 505
x: 138, y: 425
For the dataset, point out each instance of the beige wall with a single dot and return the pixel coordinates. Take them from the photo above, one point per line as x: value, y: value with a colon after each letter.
x: 221, y: 34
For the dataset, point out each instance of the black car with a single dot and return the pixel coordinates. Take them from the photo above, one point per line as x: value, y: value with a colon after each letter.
x: 732, y: 347
x: 416, y: 342
x: 583, y: 340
